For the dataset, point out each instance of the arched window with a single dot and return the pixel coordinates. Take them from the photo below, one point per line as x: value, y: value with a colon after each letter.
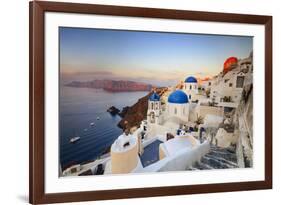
x: 152, y: 118
x: 152, y: 106
x: 190, y: 87
x: 175, y: 110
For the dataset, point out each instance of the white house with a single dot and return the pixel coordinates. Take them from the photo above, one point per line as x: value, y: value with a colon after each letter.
x: 228, y: 87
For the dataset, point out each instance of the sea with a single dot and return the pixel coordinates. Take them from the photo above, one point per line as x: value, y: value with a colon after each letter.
x: 78, y: 108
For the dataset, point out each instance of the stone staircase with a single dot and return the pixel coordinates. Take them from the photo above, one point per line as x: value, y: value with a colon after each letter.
x: 217, y: 158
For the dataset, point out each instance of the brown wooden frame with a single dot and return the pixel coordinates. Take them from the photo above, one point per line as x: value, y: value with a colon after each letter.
x: 37, y: 96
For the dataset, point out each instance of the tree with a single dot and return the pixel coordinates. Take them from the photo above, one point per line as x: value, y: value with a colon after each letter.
x: 199, y: 120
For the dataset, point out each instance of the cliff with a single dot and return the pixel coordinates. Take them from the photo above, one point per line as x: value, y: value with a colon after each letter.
x: 244, y: 127
x: 112, y: 85
x: 132, y: 116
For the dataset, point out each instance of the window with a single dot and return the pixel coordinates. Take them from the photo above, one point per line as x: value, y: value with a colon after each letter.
x: 152, y: 106
x: 152, y: 119
x: 210, y: 83
x: 156, y: 106
x: 240, y: 81
x: 230, y: 84
x: 189, y: 96
x: 190, y: 87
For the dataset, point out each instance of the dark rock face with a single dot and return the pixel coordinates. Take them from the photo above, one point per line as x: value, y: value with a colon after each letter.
x: 135, y: 114
x: 132, y: 116
x: 112, y: 85
x: 124, y: 111
x: 113, y: 110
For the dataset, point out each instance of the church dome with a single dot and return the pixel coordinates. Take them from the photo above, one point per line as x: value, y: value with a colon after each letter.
x: 191, y: 79
x: 154, y: 97
x: 178, y: 97
x: 229, y: 64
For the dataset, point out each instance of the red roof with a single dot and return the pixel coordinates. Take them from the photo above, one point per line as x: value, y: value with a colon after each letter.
x: 228, y: 64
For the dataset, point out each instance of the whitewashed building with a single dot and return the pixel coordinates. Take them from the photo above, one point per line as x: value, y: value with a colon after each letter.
x: 228, y: 86
x: 191, y: 87
x: 178, y: 105
x: 154, y: 108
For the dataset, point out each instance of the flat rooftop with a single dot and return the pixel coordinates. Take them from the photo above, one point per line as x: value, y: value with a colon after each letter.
x: 150, y: 154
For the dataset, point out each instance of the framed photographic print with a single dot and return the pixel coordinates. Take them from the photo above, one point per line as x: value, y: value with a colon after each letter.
x: 138, y: 102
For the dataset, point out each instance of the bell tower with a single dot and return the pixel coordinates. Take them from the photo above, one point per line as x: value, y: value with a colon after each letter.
x: 154, y: 108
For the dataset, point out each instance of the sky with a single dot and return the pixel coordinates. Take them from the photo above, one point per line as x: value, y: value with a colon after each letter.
x: 158, y: 58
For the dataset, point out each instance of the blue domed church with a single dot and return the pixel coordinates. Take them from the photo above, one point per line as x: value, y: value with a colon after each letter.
x: 178, y: 105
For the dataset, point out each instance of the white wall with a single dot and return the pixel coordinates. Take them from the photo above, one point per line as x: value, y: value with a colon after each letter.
x: 14, y: 100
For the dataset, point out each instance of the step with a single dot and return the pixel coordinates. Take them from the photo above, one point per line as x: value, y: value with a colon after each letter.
x: 226, y: 156
x: 217, y: 163
x: 223, y: 160
x: 202, y: 166
x: 230, y: 150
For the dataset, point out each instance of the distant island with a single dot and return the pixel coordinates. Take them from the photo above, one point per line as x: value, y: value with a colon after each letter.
x: 112, y: 85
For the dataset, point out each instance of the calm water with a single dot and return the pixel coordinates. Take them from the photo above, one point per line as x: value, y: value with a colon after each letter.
x: 81, y: 106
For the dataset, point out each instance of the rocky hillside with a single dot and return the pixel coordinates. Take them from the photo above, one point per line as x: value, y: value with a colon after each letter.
x: 112, y: 85
x: 243, y: 120
x: 132, y: 116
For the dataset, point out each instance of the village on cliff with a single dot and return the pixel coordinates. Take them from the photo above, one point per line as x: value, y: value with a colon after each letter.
x: 199, y: 124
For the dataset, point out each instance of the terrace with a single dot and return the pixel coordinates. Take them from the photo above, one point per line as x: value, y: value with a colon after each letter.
x: 150, y: 154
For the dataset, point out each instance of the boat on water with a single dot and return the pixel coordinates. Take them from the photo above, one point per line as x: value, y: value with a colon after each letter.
x: 92, y: 123
x: 98, y: 118
x: 74, y: 139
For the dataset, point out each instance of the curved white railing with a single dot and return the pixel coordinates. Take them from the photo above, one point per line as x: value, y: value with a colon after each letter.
x: 181, y: 160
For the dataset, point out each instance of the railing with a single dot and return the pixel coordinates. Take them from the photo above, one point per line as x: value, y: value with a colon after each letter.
x: 181, y: 160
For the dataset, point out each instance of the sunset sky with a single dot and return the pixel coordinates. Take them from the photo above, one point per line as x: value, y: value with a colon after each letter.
x: 151, y: 57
